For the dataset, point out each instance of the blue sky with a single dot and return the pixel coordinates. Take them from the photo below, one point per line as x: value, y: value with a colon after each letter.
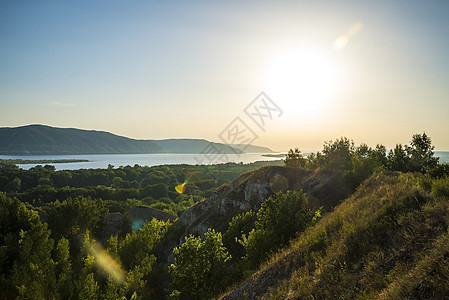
x: 163, y: 69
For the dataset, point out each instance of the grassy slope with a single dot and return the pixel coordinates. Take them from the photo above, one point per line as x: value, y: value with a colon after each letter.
x: 388, y: 240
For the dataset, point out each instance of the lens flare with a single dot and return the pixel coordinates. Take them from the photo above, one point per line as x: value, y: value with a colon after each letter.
x: 181, y: 188
x: 106, y: 263
x: 137, y: 224
x: 343, y: 40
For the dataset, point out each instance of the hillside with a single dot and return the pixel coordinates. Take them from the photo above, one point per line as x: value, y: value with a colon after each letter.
x: 324, y: 187
x: 389, y: 240
x: 42, y: 140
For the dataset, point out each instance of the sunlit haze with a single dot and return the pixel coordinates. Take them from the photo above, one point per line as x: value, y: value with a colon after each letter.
x: 376, y: 72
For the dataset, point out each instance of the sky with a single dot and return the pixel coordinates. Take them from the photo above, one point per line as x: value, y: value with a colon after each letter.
x: 373, y: 71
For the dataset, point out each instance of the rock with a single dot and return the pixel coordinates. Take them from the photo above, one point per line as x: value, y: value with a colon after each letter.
x: 112, y: 224
x: 323, y: 188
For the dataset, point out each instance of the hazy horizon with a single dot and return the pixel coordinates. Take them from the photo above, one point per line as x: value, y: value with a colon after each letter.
x: 373, y: 72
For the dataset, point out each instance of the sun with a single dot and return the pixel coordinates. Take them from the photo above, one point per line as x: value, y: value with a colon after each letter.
x: 302, y: 80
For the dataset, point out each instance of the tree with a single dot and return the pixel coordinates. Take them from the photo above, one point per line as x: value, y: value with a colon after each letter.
x: 279, y: 218
x: 294, y: 158
x: 13, y: 185
x: 365, y: 161
x: 421, y: 153
x: 137, y: 245
x: 63, y: 269
x: 397, y: 159
x: 136, y: 252
x: 89, y: 288
x: 199, y: 267
x: 156, y: 191
x: 26, y: 266
x: 239, y: 225
x: 72, y: 216
x: 315, y: 160
x: 337, y: 154
x: 118, y: 182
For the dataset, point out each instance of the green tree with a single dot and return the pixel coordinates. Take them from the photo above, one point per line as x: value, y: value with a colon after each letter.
x: 294, y: 158
x: 421, y: 153
x: 137, y: 245
x: 156, y: 191
x: 136, y: 253
x: 279, y: 218
x: 365, y: 161
x: 337, y: 154
x: 27, y: 269
x: 33, y: 270
x: 315, y: 160
x: 63, y: 269
x: 397, y: 159
x: 89, y: 288
x: 71, y: 217
x: 118, y: 182
x: 239, y: 225
x: 199, y: 267
x: 14, y: 185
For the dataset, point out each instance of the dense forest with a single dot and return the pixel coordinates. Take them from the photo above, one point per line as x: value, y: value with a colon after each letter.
x: 388, y: 238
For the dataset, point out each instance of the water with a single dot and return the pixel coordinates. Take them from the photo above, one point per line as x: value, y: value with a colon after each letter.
x: 102, y: 161
x: 443, y: 155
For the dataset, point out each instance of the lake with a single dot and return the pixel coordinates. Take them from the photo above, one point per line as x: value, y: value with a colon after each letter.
x: 102, y: 161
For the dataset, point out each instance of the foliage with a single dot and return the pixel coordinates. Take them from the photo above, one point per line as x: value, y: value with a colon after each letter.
x: 278, y: 220
x: 421, y: 153
x: 337, y: 154
x: 199, y: 267
x: 239, y: 225
x: 294, y: 158
x: 26, y: 264
x: 416, y: 157
x: 63, y: 269
x: 137, y: 245
x: 398, y: 159
x: 439, y: 171
x: 73, y: 216
x: 365, y: 161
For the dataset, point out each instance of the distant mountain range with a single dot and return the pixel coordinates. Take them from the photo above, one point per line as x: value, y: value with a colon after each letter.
x: 46, y: 140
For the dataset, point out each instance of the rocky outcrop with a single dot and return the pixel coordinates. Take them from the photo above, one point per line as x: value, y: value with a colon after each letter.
x: 324, y: 188
x: 112, y: 224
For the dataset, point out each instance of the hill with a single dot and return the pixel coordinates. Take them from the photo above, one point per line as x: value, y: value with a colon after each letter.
x: 46, y: 140
x: 247, y: 192
x: 389, y: 240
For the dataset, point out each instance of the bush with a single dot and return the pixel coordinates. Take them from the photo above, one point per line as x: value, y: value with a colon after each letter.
x: 440, y: 187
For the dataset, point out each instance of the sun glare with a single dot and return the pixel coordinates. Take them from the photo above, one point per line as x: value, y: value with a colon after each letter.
x: 302, y: 80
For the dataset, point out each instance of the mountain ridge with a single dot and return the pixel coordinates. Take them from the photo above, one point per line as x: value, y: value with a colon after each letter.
x: 39, y: 139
